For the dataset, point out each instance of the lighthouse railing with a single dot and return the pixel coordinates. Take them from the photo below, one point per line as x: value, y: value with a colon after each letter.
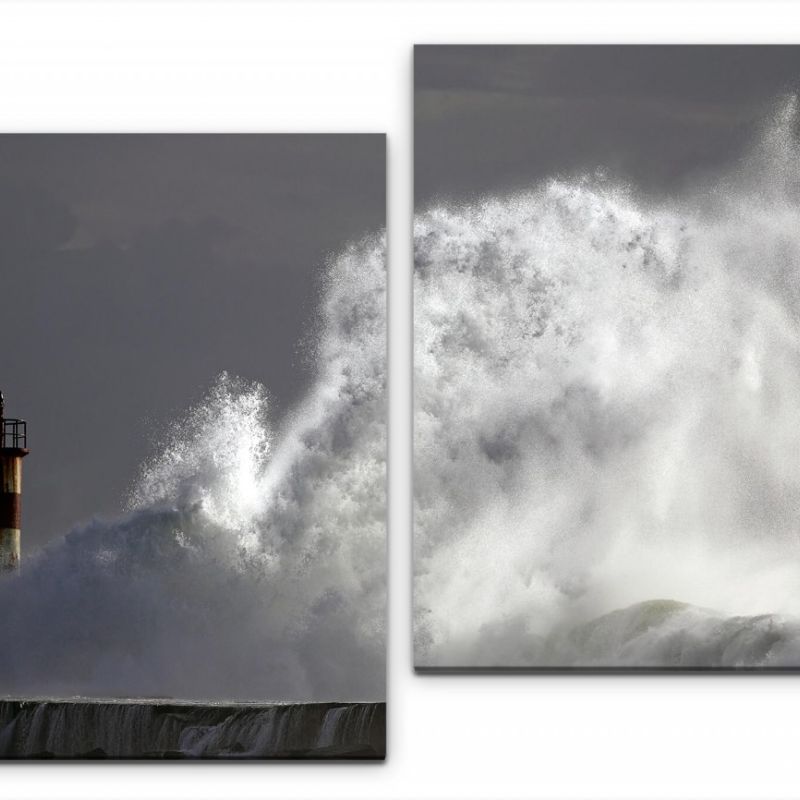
x: 13, y: 434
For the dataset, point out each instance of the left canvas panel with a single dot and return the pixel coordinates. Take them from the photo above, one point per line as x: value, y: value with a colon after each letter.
x: 193, y: 562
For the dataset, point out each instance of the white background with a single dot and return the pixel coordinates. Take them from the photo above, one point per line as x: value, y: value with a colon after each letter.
x: 346, y: 66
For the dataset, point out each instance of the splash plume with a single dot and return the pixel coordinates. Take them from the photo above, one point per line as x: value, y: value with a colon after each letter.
x: 251, y: 562
x: 606, y: 437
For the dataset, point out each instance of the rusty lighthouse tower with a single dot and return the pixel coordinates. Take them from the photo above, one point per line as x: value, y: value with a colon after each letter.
x: 13, y: 448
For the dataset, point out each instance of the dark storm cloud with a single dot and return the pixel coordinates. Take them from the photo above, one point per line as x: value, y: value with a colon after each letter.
x: 493, y: 118
x: 136, y: 268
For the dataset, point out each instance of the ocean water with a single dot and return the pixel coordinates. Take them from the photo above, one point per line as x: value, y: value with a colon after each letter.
x: 607, y: 447
x: 250, y: 564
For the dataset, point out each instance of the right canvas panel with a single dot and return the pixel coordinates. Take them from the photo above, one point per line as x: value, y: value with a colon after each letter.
x: 607, y: 357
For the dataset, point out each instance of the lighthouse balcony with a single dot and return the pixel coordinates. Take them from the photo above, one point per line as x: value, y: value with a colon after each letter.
x: 13, y: 434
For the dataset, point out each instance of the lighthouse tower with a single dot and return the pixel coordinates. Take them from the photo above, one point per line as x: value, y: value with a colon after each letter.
x: 13, y: 448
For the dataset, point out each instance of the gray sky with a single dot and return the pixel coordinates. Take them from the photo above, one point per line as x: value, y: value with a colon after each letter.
x: 135, y: 268
x: 494, y: 118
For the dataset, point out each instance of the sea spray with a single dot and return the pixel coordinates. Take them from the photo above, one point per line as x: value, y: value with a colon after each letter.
x: 251, y: 562
x: 606, y: 406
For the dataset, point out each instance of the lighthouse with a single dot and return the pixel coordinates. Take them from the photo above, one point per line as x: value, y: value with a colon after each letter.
x: 13, y: 448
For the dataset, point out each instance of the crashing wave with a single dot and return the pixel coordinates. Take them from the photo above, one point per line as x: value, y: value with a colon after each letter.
x: 606, y: 412
x: 251, y: 563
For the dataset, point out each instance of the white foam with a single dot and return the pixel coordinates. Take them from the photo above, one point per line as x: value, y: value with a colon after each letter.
x: 251, y: 565
x: 606, y: 405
